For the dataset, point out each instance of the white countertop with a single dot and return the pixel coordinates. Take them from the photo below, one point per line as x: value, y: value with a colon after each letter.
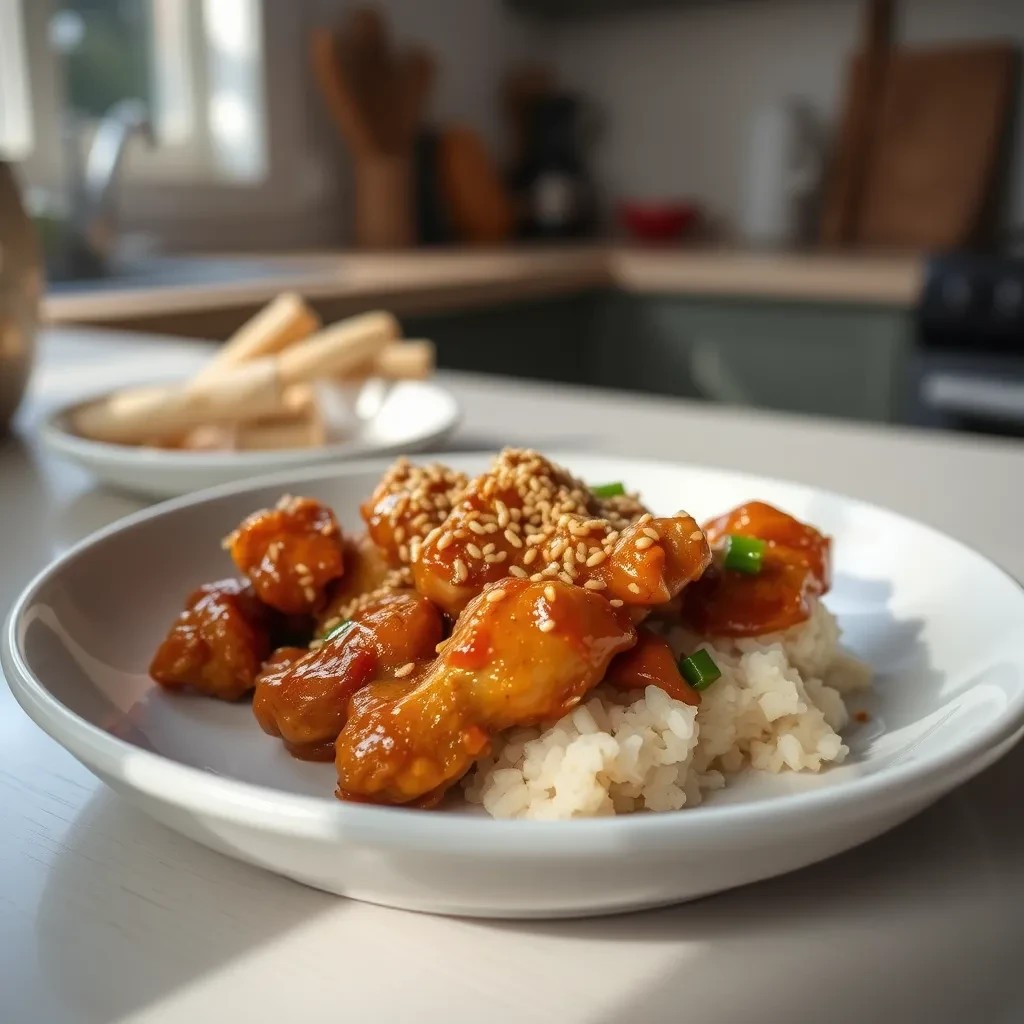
x: 107, y: 916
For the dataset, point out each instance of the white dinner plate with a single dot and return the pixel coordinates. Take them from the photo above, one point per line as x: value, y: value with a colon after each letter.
x: 406, y: 416
x: 942, y: 627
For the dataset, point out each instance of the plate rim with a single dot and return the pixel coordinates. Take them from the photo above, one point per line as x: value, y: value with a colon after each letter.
x: 209, y: 794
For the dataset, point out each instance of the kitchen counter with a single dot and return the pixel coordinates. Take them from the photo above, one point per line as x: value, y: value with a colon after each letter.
x: 444, y: 280
x: 108, y: 916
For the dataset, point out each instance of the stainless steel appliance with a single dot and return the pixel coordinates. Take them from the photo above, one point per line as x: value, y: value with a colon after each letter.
x: 969, y: 365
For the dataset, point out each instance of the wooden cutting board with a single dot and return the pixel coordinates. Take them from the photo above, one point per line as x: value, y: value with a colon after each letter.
x: 940, y: 126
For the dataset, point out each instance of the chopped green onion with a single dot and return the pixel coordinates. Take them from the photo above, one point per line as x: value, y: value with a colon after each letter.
x: 608, y: 490
x: 341, y: 627
x: 699, y: 670
x: 744, y: 554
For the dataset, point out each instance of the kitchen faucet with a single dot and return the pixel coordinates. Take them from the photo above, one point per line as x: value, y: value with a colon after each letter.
x: 92, y: 223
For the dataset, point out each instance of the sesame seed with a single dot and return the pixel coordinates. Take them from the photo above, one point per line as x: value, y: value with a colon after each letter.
x: 488, y: 549
x: 438, y: 648
x: 461, y: 572
x: 633, y: 588
x: 547, y: 625
x: 616, y: 602
x: 596, y: 559
x: 475, y: 526
x: 697, y: 535
x: 399, y: 534
x: 403, y: 553
x: 550, y: 593
x: 495, y: 595
x: 310, y: 594
x: 645, y: 518
x: 404, y: 670
x: 503, y: 517
x: 446, y: 539
x: 515, y: 570
x: 530, y: 556
x: 653, y: 534
x: 565, y: 578
x: 513, y: 539
x: 491, y: 528
x: 537, y: 577
x: 500, y: 556
x: 474, y: 551
x: 642, y: 543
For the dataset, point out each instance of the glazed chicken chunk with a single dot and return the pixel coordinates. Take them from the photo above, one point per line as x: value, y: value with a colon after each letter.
x: 521, y: 653
x: 528, y: 518
x: 302, y: 695
x: 290, y: 553
x: 407, y: 504
x: 218, y: 642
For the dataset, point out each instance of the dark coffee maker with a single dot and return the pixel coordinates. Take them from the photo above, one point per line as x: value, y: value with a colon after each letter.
x: 553, y: 188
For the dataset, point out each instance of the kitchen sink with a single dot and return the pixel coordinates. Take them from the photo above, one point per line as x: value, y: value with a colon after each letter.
x: 183, y: 271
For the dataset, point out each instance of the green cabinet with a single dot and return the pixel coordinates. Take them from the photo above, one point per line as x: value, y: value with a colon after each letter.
x: 821, y: 358
x: 831, y: 360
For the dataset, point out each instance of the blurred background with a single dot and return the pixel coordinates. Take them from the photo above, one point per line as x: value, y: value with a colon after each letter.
x: 806, y: 205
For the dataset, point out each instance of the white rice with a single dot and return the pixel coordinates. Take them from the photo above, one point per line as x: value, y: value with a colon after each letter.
x: 778, y: 706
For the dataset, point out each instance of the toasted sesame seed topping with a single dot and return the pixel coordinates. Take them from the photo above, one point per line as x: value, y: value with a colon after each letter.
x: 550, y: 593
x: 515, y: 570
x: 405, y: 669
x: 642, y: 543
x: 488, y: 549
x: 547, y: 625
x: 595, y: 584
x: 565, y: 578
x: 697, y: 535
x: 616, y: 602
x: 445, y: 539
x: 537, y: 577
x: 461, y: 572
x: 513, y: 539
x: 652, y: 533
x: 473, y: 551
x: 596, y: 559
x: 633, y: 588
x: 495, y: 595
x: 475, y: 526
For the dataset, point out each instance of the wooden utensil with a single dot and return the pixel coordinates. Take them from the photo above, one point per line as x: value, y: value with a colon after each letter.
x: 478, y: 202
x: 332, y: 77
x: 844, y: 183
x: 941, y: 122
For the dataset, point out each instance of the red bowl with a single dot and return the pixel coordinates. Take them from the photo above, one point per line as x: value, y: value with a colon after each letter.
x: 657, y: 222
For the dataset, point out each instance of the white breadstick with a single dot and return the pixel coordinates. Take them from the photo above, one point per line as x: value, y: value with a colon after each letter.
x: 306, y: 430
x: 246, y: 392
x: 277, y: 325
x: 403, y: 360
x: 338, y: 349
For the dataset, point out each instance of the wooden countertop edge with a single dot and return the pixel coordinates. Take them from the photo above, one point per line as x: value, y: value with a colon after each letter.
x: 439, y: 281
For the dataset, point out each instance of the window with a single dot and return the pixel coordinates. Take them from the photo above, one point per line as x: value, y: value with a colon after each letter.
x: 15, y: 111
x: 195, y: 65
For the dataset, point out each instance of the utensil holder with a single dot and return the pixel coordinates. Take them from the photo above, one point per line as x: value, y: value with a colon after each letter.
x: 384, y: 201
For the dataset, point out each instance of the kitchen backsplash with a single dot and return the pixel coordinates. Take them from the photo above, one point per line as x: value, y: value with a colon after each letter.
x: 680, y: 86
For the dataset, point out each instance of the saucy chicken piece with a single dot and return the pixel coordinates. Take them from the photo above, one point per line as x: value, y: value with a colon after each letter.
x: 407, y: 504
x: 367, y: 577
x: 302, y: 696
x: 290, y: 553
x: 218, y: 642
x: 521, y: 653
x: 531, y: 519
x: 795, y: 567
x: 650, y: 663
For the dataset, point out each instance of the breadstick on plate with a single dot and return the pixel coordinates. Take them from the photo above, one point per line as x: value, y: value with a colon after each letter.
x: 277, y: 325
x: 248, y: 391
